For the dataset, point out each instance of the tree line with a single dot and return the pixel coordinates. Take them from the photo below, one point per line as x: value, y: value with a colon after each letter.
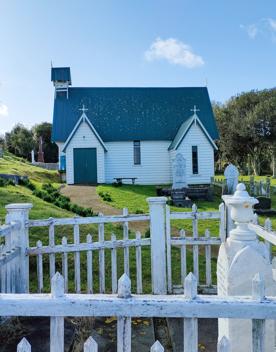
x: 247, y: 128
x: 246, y: 123
x: 21, y: 141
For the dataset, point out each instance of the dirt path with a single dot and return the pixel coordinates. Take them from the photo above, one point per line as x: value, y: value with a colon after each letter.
x: 87, y: 197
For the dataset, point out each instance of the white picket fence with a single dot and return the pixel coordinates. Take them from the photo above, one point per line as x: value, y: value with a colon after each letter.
x: 14, y: 271
x: 90, y: 246
x: 15, y: 251
x: 182, y: 241
x: 124, y: 306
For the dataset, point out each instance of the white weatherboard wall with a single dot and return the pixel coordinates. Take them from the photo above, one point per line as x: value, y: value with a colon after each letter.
x: 196, y: 137
x: 84, y: 138
x: 155, y: 165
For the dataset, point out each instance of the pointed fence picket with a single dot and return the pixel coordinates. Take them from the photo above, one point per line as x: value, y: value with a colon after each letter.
x: 124, y: 306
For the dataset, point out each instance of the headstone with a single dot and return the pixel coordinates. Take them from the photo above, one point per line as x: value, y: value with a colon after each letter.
x: 267, y: 187
x: 33, y: 158
x: 40, y: 155
x: 240, y: 258
x: 231, y: 174
x: 179, y: 172
x: 1, y: 152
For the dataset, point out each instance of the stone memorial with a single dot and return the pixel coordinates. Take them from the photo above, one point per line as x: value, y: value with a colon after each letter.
x: 40, y: 154
x: 231, y: 174
x: 33, y: 157
x: 240, y: 258
x: 179, y: 172
x: 1, y: 152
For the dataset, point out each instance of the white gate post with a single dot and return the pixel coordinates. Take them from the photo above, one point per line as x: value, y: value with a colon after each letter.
x: 157, y: 207
x: 20, y: 213
x: 240, y: 258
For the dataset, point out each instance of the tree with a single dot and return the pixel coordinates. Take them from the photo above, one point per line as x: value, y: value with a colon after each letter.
x: 264, y: 124
x: 20, y: 141
x: 243, y: 125
x: 50, y: 149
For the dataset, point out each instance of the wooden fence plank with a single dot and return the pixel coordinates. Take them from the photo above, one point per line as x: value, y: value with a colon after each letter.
x: 89, y: 260
x: 268, y: 227
x: 223, y: 345
x: 57, y: 322
x: 39, y: 269
x: 24, y: 346
x: 222, y: 223
x: 183, y: 257
x: 52, y: 259
x: 64, y: 260
x: 101, y: 257
x: 124, y: 322
x: 77, y: 259
x: 114, y: 266
x: 195, y: 247
x: 168, y: 243
x: 190, y: 324
x: 208, y: 261
x: 93, y: 246
x: 125, y: 237
x: 90, y: 345
x: 139, y: 282
x: 157, y: 347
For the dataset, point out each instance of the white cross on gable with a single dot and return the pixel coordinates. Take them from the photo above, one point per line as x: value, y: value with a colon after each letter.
x: 83, y: 109
x: 194, y: 110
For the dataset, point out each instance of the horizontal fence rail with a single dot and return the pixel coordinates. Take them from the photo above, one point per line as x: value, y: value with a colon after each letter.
x: 124, y: 306
x: 87, y: 220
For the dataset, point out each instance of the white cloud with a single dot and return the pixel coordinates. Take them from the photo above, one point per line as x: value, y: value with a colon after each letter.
x: 265, y: 27
x: 3, y: 110
x: 251, y: 29
x: 272, y: 23
x: 175, y: 52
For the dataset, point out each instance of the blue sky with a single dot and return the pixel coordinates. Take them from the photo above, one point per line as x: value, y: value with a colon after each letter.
x: 231, y: 44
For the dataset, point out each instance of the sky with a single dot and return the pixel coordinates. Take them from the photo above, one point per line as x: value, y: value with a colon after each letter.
x: 230, y: 46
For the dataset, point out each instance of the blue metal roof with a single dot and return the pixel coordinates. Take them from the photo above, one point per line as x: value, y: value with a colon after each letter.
x: 61, y: 74
x: 127, y: 114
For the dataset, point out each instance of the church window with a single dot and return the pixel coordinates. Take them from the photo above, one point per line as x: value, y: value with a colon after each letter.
x: 195, y: 159
x: 137, y: 152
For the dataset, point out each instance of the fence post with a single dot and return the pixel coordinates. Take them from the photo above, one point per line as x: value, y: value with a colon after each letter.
x: 157, y: 207
x: 20, y: 238
x: 124, y: 323
x: 240, y: 258
x: 57, y: 323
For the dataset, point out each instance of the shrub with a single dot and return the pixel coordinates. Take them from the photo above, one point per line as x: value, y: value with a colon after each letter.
x: 105, y: 196
x: 139, y: 211
x: 117, y: 184
x: 27, y: 183
x: 6, y: 182
x: 147, y: 233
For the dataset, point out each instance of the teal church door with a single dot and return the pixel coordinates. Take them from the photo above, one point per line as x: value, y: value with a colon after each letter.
x: 85, y: 165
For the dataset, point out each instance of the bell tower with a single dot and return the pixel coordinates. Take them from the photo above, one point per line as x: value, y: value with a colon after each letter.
x: 61, y: 78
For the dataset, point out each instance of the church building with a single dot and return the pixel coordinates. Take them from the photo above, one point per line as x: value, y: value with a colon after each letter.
x: 133, y: 134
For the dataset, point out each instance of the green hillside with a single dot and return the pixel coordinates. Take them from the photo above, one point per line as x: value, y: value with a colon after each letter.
x: 19, y: 194
x: 11, y: 164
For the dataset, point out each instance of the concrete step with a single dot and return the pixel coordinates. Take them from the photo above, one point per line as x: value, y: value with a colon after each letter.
x: 207, y: 334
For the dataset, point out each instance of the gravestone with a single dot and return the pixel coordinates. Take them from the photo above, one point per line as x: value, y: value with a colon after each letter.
x: 33, y: 157
x: 231, y: 174
x: 1, y: 152
x: 40, y: 154
x: 179, y: 172
x: 240, y: 258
